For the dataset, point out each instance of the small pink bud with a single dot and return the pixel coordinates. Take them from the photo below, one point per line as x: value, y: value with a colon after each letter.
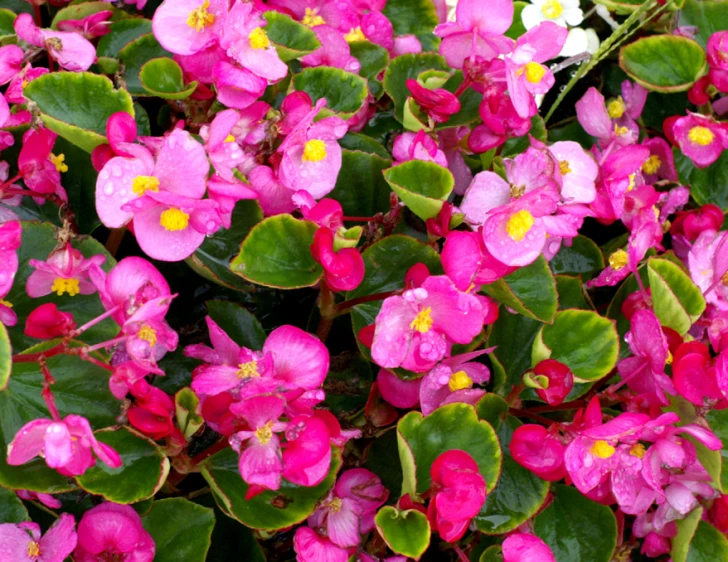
x: 559, y: 381
x: 47, y: 322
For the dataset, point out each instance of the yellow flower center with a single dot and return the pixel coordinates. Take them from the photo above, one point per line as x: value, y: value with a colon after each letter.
x: 258, y: 38
x: 200, y: 18
x: 62, y: 285
x: 701, y: 135
x: 618, y: 260
x: 602, y: 449
x: 630, y: 187
x: 265, y: 433
x: 148, y: 334
x: 248, y: 370
x: 670, y: 358
x: 335, y: 505
x: 355, y: 34
x: 229, y: 138
x: 33, y: 549
x: 637, y: 450
x: 58, y: 162
x: 552, y: 9
x: 6, y: 303
x: 519, y: 225
x: 619, y: 131
x: 616, y: 108
x: 517, y: 191
x: 314, y: 150
x: 141, y: 184
x: 423, y: 321
x: 564, y: 168
x: 459, y: 381
x: 534, y: 72
x: 724, y: 279
x: 174, y: 219
x: 652, y: 165
x: 312, y: 19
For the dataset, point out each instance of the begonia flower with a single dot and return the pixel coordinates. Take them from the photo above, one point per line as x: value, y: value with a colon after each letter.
x: 23, y: 542
x: 113, y: 531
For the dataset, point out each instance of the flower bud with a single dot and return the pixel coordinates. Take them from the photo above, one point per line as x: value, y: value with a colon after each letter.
x: 47, y: 322
x: 554, y: 379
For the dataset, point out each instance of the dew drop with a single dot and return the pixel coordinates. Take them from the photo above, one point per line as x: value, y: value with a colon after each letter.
x: 109, y: 188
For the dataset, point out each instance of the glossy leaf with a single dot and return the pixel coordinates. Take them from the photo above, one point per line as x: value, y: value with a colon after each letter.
x: 707, y: 16
x: 76, y: 105
x: 707, y: 185
x: 708, y: 544
x: 411, y: 16
x: 181, y: 530
x: 242, y: 327
x: 12, y: 509
x: 512, y: 335
x: 7, y: 19
x: 162, y: 77
x: 345, y: 93
x: 372, y: 59
x: 6, y: 358
x: 361, y: 188
x: 678, y: 302
x: 405, y: 532
x: 292, y: 39
x: 80, y: 11
x: 422, y: 186
x: 408, y: 66
x: 122, y: 33
x: 583, y: 258
x: 134, y: 55
x: 686, y: 529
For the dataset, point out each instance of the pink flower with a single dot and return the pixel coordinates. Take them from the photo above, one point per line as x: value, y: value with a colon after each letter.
x: 163, y: 197
x: 522, y: 547
x: 46, y: 499
x: 152, y: 411
x: 11, y: 62
x: 400, y: 393
x: 343, y: 268
x: 478, y: 30
x: 312, y: 547
x: 47, y: 322
x: 65, y: 445
x: 467, y: 261
x: 10, y: 237
x: 695, y: 375
x: 708, y: 265
x: 307, y: 453
x: 90, y: 27
x: 334, y: 51
x: 452, y: 381
x: 701, y: 138
x: 554, y: 381
x: 185, y: 27
x: 23, y: 542
x: 72, y: 51
x: 500, y: 119
x: 534, y: 448
x: 40, y: 168
x: 578, y: 171
x: 420, y: 146
x: 112, y: 531
x: 458, y: 494
x: 717, y: 51
x: 65, y: 271
x: 437, y: 103
x: 366, y: 489
x: 417, y: 329
x: 661, y: 163
x: 237, y: 87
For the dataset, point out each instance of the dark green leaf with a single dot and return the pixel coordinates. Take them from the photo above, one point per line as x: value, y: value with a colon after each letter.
x: 707, y: 16
x: 373, y: 59
x: 291, y: 39
x: 707, y: 185
x: 411, y: 16
x: 345, y: 93
x: 162, y: 77
x: 360, y: 187
x: 134, y: 55
x: 12, y: 509
x: 517, y: 145
x: 686, y: 529
x: 408, y: 66
x: 708, y: 544
x: 80, y: 11
x: 512, y: 336
x: 405, y: 532
x: 583, y: 258
x: 422, y: 186
x: 122, y: 33
x: 181, y: 530
x: 242, y: 327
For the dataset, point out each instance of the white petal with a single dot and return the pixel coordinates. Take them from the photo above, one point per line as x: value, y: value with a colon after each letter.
x: 573, y: 16
x: 576, y: 43
x: 531, y: 16
x: 592, y: 41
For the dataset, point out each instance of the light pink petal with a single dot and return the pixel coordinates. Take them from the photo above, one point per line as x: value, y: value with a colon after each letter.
x: 76, y: 54
x: 261, y: 463
x: 14, y: 543
x: 398, y: 392
x: 60, y: 540
x: 492, y: 18
x: 521, y: 547
x: 392, y: 334
x: 114, y: 189
x: 162, y: 244
x: 591, y: 111
x: 28, y: 442
x: 214, y: 379
x: 182, y: 165
x: 58, y: 446
x: 486, y: 192
x: 300, y: 359
x: 311, y: 547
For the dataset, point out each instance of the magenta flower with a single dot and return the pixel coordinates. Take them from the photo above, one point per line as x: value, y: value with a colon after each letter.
x: 400, y: 393
x: 343, y: 268
x: 701, y: 138
x: 452, y: 381
x: 11, y: 62
x: 65, y: 445
x: 708, y: 265
x: 47, y: 322
x: 366, y: 489
x: 535, y: 448
x: 307, y: 453
x: 417, y: 329
x: 523, y: 547
x: 578, y: 171
x: 40, y: 168
x: 222, y: 147
x: 477, y: 31
x: 90, y: 27
x: 437, y: 103
x: 163, y: 197
x: 467, y: 261
x: 65, y: 271
x: 661, y: 163
x: 420, y: 146
x: 312, y: 547
x: 46, y: 499
x: 717, y: 51
x: 237, y: 87
x: 334, y: 51
x: 113, y: 532
x: 23, y: 542
x: 696, y: 377
x: 553, y: 381
x: 10, y: 237
x: 72, y: 51
x: 500, y: 119
x: 185, y: 27
x: 458, y: 494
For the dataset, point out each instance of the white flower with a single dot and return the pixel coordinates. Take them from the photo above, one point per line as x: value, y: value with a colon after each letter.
x: 560, y: 12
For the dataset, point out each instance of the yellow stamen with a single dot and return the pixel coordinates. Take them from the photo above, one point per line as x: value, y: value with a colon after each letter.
x: 148, y: 334
x: 258, y: 39
x: 6, y: 303
x: 618, y: 260
x: 62, y: 285
x: 564, y: 168
x: 355, y: 34
x: 637, y: 450
x: 264, y: 434
x: 616, y: 108
x: 33, y: 549
x: 23, y: 84
x: 200, y: 18
x: 141, y: 184
x: 724, y: 279
x: 335, y: 505
x: 534, y: 72
x: 519, y: 225
x: 619, y: 131
x: 174, y: 219
x: 314, y: 150
x: 459, y: 381
x: 517, y: 191
x: 312, y: 19
x: 602, y: 449
x: 669, y: 359
x: 701, y: 135
x: 630, y: 187
x: 58, y: 162
x: 229, y: 138
x: 652, y: 165
x: 552, y: 9
x: 248, y: 370
x: 423, y: 321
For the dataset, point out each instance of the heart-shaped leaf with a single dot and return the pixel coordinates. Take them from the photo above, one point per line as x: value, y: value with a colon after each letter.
x: 277, y: 253
x: 422, y: 186
x: 372, y: 60
x: 181, y: 530
x: 134, y: 55
x: 678, y: 302
x: 162, y: 77
x: 405, y: 532
x: 122, y: 33
x: 345, y: 93
x: 292, y: 40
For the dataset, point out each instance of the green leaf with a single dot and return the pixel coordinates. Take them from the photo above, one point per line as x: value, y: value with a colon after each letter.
x: 664, y: 63
x: 80, y: 11
x: 6, y: 358
x: 405, y: 532
x: 271, y: 510
x: 581, y: 339
x: 134, y: 55
x: 517, y: 28
x: 493, y: 409
x: 718, y: 421
x: 212, y: 259
x: 512, y: 336
x: 571, y: 293
x: 364, y: 143
x: 187, y: 412
x: 292, y: 40
x: 686, y: 529
x: 529, y: 290
x: 707, y: 16
x: 583, y: 258
x: 232, y: 540
x: 242, y: 327
x: 493, y: 553
x: 345, y: 93
x: 276, y: 253
x: 707, y: 185
x: 404, y: 67
x: 77, y: 105
x: 143, y: 471
x: 7, y: 19
x: 422, y: 186
x: 163, y: 78
x: 80, y: 184
x: 678, y: 302
x: 372, y: 59
x: 411, y: 16
x: 181, y: 530
x: 360, y: 186
x: 12, y: 509
x: 122, y: 33
x: 428, y: 437
x: 576, y: 528
x: 708, y: 544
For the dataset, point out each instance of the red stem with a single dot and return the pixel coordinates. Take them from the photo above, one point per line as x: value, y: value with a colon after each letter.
x: 526, y: 413
x: 358, y: 219
x: 217, y: 447
x: 46, y: 393
x: 328, y: 312
x: 40, y: 356
x: 346, y: 305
